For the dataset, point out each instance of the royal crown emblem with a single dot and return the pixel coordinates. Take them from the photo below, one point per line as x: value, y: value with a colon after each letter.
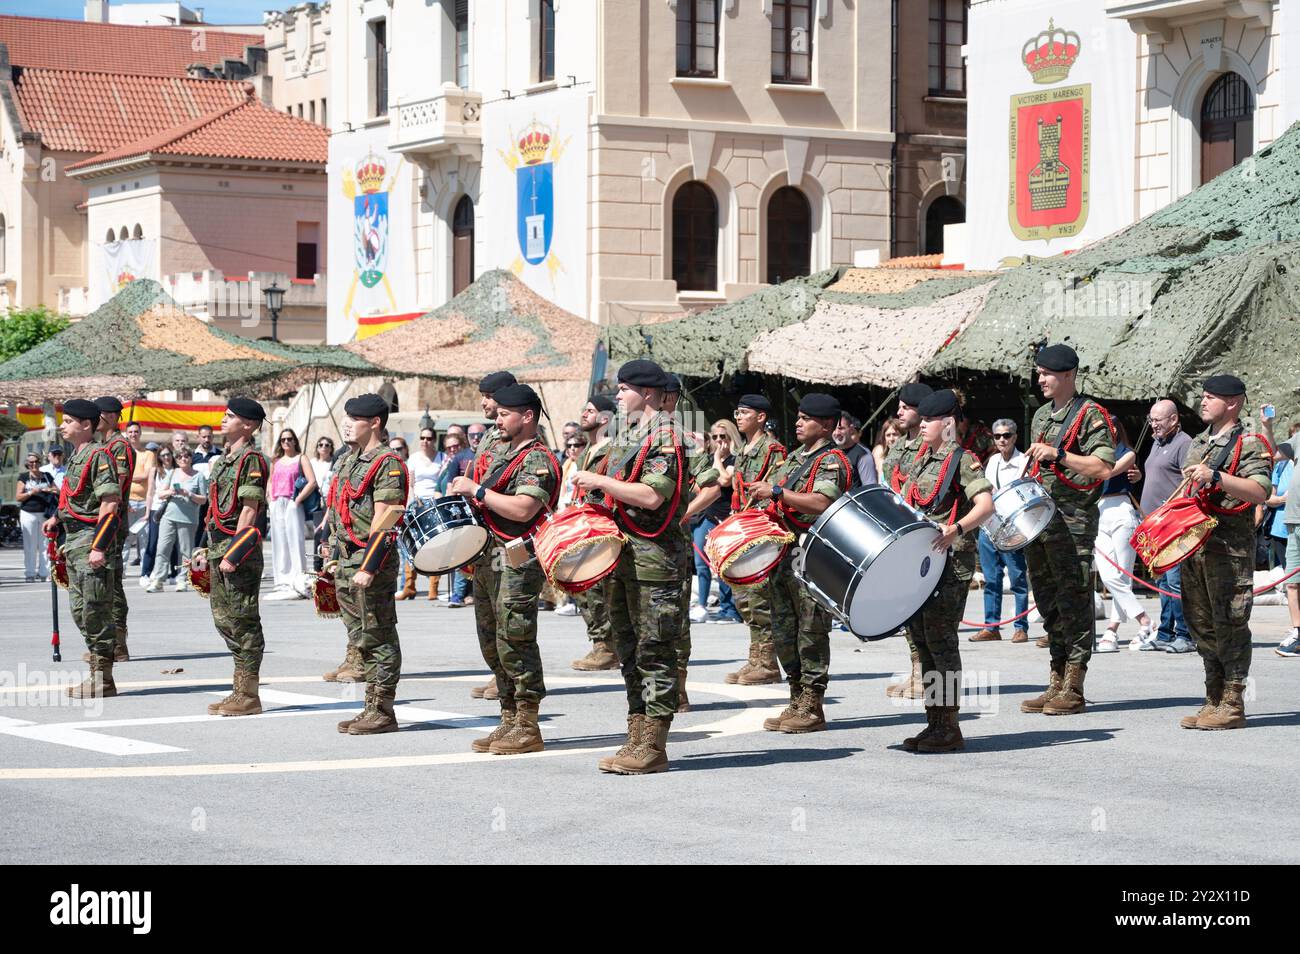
x: 1050, y: 55
x: 370, y: 173
x: 533, y: 145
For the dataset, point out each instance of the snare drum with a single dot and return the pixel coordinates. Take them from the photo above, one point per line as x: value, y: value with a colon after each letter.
x: 744, y: 549
x: 578, y: 547
x: 1171, y: 533
x: 200, y: 580
x: 870, y: 560
x: 441, y: 535
x: 1021, y: 511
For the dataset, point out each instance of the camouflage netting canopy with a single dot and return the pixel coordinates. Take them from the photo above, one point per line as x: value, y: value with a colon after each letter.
x: 141, y: 341
x: 1209, y: 284
x: 716, y: 342
x: 497, y: 323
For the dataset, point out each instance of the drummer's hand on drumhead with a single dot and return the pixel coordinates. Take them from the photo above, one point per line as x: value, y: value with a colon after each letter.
x: 462, y: 485
x: 761, y: 490
x: 362, y: 579
x: 1039, y: 451
x: 946, y: 538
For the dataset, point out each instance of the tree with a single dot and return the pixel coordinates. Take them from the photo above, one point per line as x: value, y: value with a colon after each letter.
x: 23, y: 329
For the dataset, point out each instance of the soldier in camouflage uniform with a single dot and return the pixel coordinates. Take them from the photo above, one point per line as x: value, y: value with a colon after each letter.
x: 369, y: 494
x: 1230, y: 471
x: 110, y: 410
x: 514, y: 497
x: 893, y: 474
x: 944, y: 482
x: 236, y: 496
x: 90, y: 503
x: 645, y: 484
x: 1073, y: 451
x: 755, y: 463
x: 487, y: 574
x: 594, y: 603
x: 803, y: 486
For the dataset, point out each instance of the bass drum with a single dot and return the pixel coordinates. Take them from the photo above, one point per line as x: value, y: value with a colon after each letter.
x: 870, y: 560
x: 441, y: 535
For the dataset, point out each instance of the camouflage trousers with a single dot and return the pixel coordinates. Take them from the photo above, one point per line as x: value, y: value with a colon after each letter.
x: 1217, y: 599
x: 505, y: 614
x: 683, y: 647
x: 593, y: 604
x: 934, y: 631
x: 756, y: 610
x: 119, y: 590
x: 801, y: 627
x: 90, y: 593
x: 645, y: 620
x: 1060, y: 572
x: 233, y: 601
x: 370, y: 615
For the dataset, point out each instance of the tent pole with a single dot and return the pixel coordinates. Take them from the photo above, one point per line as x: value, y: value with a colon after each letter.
x: 876, y: 413
x: 311, y: 406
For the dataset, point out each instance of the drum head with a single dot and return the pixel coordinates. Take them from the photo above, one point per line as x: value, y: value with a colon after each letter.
x: 1019, y: 529
x: 584, y: 563
x: 895, y: 584
x: 450, y: 549
x: 758, y: 559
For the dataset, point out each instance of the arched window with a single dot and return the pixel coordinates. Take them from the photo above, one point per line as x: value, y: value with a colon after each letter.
x: 111, y: 237
x: 695, y: 238
x: 1227, y: 125
x: 122, y: 234
x: 462, y: 247
x: 789, y: 235
x: 137, y: 232
x: 389, y: 394
x: 944, y: 210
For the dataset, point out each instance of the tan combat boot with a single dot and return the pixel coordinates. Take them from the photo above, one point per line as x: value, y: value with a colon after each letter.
x: 244, y: 700
x: 650, y: 754
x: 600, y: 657
x: 914, y: 688
x: 931, y: 716
x: 353, y: 668
x: 946, y: 736
x: 490, y: 692
x: 214, y: 706
x: 378, y: 716
x: 524, y: 736
x: 895, y: 689
x: 1069, y: 701
x: 635, y: 723
x: 683, y: 700
x: 774, y: 724
x: 732, y: 678
x: 99, y: 684
x: 1054, y: 683
x: 332, y: 675
x: 507, y: 723
x: 1230, y: 713
x: 1213, y: 696
x: 765, y: 670
x: 808, y: 715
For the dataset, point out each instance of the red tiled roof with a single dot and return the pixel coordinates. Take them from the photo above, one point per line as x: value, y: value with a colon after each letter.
x: 245, y: 130
x: 118, y: 48
x: 92, y: 112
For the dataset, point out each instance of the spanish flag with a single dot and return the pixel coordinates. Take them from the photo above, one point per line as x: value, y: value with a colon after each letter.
x: 371, y: 325
x: 171, y: 415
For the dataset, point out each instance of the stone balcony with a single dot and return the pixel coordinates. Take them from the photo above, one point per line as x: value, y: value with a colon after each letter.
x: 446, y: 124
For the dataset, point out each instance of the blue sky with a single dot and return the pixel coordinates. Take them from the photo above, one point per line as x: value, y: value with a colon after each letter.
x: 214, y: 11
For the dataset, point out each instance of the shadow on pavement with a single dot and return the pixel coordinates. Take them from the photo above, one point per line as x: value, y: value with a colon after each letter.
x: 1018, y: 741
x: 725, y: 760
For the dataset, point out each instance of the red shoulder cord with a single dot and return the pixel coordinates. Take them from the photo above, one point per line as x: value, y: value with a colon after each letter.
x: 738, y: 479
x: 67, y: 491
x: 913, y: 495
x: 635, y: 475
x: 1204, y: 494
x: 124, y: 479
x: 504, y: 481
x: 342, y: 493
x: 1071, y: 438
x: 219, y: 516
x: 787, y: 513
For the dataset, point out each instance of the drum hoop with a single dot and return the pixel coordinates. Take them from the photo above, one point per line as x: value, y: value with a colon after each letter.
x: 582, y: 586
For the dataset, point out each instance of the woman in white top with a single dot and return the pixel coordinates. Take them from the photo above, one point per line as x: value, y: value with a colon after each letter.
x: 287, y: 521
x: 425, y: 466
x: 182, y: 491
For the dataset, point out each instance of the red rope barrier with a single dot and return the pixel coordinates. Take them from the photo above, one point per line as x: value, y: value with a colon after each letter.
x: 1151, y: 586
x: 1032, y: 607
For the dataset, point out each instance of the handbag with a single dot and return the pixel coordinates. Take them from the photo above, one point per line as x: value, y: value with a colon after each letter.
x: 312, y: 504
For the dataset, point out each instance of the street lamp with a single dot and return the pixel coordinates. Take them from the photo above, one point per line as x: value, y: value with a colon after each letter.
x: 426, y: 422
x: 274, y: 296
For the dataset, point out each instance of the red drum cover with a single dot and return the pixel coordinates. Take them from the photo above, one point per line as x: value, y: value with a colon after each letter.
x: 565, y: 537
x: 738, y: 536
x: 1171, y: 533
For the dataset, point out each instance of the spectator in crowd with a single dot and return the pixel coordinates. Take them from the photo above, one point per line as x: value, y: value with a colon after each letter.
x: 475, y: 434
x: 405, y: 570
x: 459, y: 461
x: 141, y: 502
x: 181, y: 491
x: 37, y: 500
x: 574, y: 445
x: 1276, y: 505
x: 179, y: 441
x: 1290, y: 646
x: 292, y: 481
x: 1004, y: 466
x: 321, y: 466
x: 724, y: 440
x: 426, y: 465
x: 1117, y: 521
x: 205, y: 450
x: 54, y: 465
x: 848, y: 436
x: 164, y: 462
x: 1161, y: 474
x: 889, y: 433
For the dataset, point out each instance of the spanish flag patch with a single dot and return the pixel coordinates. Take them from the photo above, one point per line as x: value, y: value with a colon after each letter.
x: 394, y: 473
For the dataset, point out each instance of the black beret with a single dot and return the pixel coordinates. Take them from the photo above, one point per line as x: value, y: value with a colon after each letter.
x: 495, y: 382
x: 603, y: 403
x: 819, y: 405
x: 938, y: 404
x: 1058, y: 357
x: 642, y: 374
x: 1225, y: 385
x: 109, y: 405
x: 755, y: 402
x: 912, y: 394
x: 674, y: 383
x: 517, y: 395
x: 367, y: 405
x: 247, y: 408
x: 82, y: 410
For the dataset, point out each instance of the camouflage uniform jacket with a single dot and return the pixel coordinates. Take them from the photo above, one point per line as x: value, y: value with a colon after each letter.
x: 389, y: 485
x: 536, y: 475
x: 1236, y: 531
x: 91, y: 476
x: 1092, y: 438
x: 829, y: 476
x: 926, y: 473
x: 898, y: 461
x: 250, y: 469
x: 595, y: 458
x: 656, y: 540
x: 756, y: 461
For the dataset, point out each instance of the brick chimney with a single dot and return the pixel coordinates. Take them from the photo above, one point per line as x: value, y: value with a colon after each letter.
x: 96, y: 11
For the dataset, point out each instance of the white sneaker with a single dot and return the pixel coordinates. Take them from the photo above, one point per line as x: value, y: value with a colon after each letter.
x: 153, y: 586
x: 1144, y: 636
x: 144, y: 582
x: 1108, y: 643
x: 181, y: 586
x: 568, y: 609
x: 699, y: 614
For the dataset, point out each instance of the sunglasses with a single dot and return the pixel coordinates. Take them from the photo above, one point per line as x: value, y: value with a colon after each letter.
x: 999, y: 437
x: 719, y: 437
x: 423, y: 438
x: 575, y: 445
x: 288, y: 440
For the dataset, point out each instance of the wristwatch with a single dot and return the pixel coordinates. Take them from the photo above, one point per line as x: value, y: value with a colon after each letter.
x: 960, y: 531
x: 777, y: 492
x: 481, y: 494
x: 1214, y: 481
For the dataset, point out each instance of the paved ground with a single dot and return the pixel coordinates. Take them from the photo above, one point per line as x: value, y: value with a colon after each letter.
x: 150, y: 778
